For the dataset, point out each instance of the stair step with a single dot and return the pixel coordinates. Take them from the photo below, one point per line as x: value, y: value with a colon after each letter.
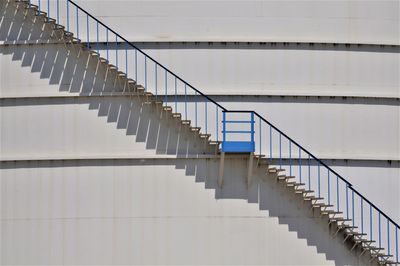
x: 177, y: 115
x: 111, y: 66
x: 186, y: 122
x: 205, y: 136
x: 131, y: 81
x: 308, y: 191
x: 167, y: 108
x: 195, y: 128
x: 121, y: 74
x: 294, y: 184
x: 213, y: 142
x: 275, y: 170
x: 285, y: 177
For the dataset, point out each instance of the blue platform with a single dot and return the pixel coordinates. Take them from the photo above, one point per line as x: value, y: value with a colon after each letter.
x: 246, y: 132
x: 238, y: 146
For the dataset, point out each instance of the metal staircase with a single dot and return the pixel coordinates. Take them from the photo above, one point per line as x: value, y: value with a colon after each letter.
x: 361, y: 225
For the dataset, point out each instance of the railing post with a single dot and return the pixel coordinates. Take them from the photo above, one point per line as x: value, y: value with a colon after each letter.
x: 216, y: 110
x: 379, y: 229
x: 252, y: 127
x: 77, y: 23
x: 195, y: 108
x: 300, y: 163
x: 259, y: 120
x: 97, y: 37
x: 319, y: 181
x: 145, y: 73
x: 362, y: 216
x: 352, y: 206
x: 223, y: 126
x: 290, y: 158
x: 107, y: 44
x: 136, y: 68
x: 156, y: 79
x: 176, y: 97
x: 370, y: 222
x: 397, y: 246
x: 309, y: 172
x: 205, y: 114
x: 48, y: 9
x: 126, y: 59
x: 185, y: 103
x: 58, y: 11
x: 388, y: 233
x: 87, y: 32
x: 337, y: 193
x: 280, y: 151
x: 347, y: 201
x: 116, y: 52
x: 329, y: 188
x: 270, y: 142
x: 67, y: 9
x: 166, y: 89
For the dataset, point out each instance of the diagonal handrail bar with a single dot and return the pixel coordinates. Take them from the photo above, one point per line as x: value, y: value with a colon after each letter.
x: 146, y: 55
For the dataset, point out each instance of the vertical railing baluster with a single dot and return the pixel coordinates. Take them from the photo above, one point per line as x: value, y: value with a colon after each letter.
x: 176, y: 97
x: 97, y: 38
x: 309, y: 172
x: 87, y: 31
x: 252, y: 127
x: 116, y: 52
x: 290, y: 158
x: 329, y: 188
x: 185, y: 103
x: 280, y: 151
x: 397, y: 246
x: 136, y: 68
x: 379, y: 229
x: 388, y: 233
x: 67, y: 14
x: 352, y: 206
x: 39, y: 7
x: 107, y: 44
x: 145, y: 73
x: 205, y: 111
x: 259, y: 119
x: 319, y: 181
x: 195, y: 108
x: 48, y: 10
x: 362, y: 216
x: 270, y: 143
x: 126, y: 59
x: 77, y: 23
x: 370, y: 222
x: 347, y: 201
x: 216, y: 115
x: 58, y: 11
x: 156, y: 79
x: 223, y: 126
x: 337, y: 193
x: 166, y: 89
x: 300, y: 163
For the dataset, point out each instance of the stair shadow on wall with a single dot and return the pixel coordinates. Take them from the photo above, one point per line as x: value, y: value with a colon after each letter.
x: 76, y: 72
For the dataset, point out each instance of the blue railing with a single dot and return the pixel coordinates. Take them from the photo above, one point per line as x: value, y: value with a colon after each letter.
x: 204, y: 112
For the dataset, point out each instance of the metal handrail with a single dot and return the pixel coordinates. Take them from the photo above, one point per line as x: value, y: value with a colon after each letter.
x: 148, y: 56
